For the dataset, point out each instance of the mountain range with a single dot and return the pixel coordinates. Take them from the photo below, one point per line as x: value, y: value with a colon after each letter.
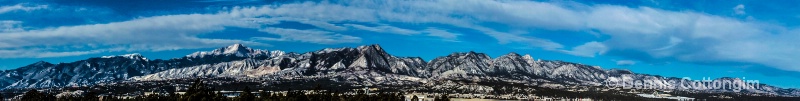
x: 362, y: 65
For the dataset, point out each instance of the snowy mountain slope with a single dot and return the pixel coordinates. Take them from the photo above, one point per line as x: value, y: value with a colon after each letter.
x: 237, y: 50
x: 12, y: 76
x: 114, y: 68
x: 233, y: 68
x: 327, y: 61
x: 363, y: 65
x: 87, y: 72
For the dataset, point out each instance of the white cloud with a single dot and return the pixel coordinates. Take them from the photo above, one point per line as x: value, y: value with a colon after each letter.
x: 661, y: 34
x: 695, y: 37
x: 153, y: 33
x: 158, y: 33
x: 42, y: 54
x: 20, y: 7
x: 589, y: 49
x: 10, y: 26
x: 680, y: 35
x: 310, y: 36
x: 315, y: 23
x: 458, y: 13
x: 324, y: 25
x: 444, y: 34
x: 625, y: 62
x: 385, y: 29
x: 739, y: 9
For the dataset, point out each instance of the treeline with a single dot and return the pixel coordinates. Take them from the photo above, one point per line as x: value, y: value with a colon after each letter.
x: 198, y: 91
x: 605, y: 96
x: 510, y: 88
x: 734, y: 97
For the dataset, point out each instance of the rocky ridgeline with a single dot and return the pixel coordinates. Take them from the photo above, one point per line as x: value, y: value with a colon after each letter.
x: 364, y: 65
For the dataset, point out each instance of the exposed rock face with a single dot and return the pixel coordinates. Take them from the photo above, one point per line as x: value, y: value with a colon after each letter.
x: 84, y: 72
x: 116, y: 68
x: 364, y: 65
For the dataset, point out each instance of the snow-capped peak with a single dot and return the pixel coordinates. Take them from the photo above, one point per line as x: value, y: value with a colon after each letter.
x: 512, y: 54
x: 372, y: 48
x: 238, y: 50
x: 328, y: 50
x: 132, y: 55
x: 41, y: 62
x: 470, y: 54
x: 376, y: 46
x: 527, y: 56
x: 619, y: 71
x: 366, y: 64
x: 129, y: 56
x: 235, y: 48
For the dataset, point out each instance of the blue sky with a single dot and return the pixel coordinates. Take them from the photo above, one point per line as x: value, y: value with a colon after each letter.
x: 678, y: 38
